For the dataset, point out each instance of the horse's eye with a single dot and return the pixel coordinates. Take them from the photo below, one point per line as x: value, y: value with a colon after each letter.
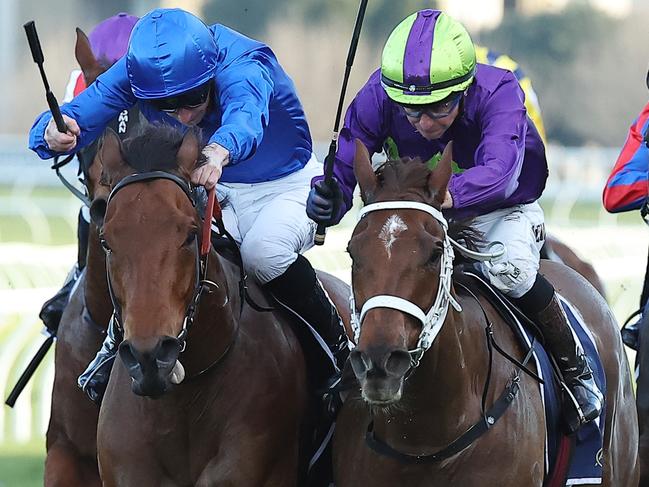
x: 190, y: 238
x: 104, y: 243
x: 434, y: 256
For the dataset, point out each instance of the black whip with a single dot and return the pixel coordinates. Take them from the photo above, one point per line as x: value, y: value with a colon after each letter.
x: 29, y: 371
x: 37, y: 54
x: 331, y: 156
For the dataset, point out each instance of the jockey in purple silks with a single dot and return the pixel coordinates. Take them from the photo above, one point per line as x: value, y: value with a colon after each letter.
x: 428, y: 92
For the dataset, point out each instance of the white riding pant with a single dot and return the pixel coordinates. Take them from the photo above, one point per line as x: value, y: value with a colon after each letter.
x: 268, y: 220
x: 521, y: 229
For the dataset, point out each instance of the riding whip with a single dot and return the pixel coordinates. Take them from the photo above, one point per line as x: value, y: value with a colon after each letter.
x: 331, y: 156
x: 29, y: 371
x: 37, y: 54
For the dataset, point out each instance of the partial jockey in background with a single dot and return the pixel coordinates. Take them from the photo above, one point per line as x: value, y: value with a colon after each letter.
x: 108, y: 41
x: 626, y: 190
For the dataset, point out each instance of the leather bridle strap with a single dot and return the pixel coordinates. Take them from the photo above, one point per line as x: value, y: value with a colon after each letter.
x: 149, y: 176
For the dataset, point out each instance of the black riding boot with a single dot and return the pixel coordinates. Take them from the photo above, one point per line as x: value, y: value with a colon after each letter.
x: 581, y: 392
x: 631, y: 334
x: 94, y: 379
x: 299, y: 290
x: 52, y: 309
x: 582, y: 398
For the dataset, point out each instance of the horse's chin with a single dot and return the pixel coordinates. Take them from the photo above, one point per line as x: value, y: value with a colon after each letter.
x: 382, y: 393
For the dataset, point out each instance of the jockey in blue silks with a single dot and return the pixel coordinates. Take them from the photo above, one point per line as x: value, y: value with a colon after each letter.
x: 259, y: 150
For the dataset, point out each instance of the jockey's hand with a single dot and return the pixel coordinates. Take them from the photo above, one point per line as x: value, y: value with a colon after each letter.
x: 448, y: 201
x: 209, y: 173
x: 325, y: 204
x: 59, y: 141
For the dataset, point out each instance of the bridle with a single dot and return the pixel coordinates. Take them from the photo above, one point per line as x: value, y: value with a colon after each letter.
x: 201, y: 253
x: 434, y: 318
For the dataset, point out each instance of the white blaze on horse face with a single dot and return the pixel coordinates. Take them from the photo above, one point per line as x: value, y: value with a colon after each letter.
x: 390, y: 231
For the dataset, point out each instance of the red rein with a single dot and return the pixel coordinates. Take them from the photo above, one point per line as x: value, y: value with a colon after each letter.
x: 213, y: 210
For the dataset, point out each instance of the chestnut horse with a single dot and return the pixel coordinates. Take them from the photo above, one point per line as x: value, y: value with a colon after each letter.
x: 71, y: 441
x: 236, y: 418
x: 410, y: 302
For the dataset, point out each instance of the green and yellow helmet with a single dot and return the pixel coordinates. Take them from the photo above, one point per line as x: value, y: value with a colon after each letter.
x: 427, y: 57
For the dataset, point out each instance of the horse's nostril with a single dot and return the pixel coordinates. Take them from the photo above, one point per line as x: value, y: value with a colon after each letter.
x: 398, y: 363
x: 167, y: 352
x: 126, y: 353
x: 360, y: 362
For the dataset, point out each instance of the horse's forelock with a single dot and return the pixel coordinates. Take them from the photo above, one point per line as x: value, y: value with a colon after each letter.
x: 410, y: 177
x: 155, y: 148
x: 402, y: 176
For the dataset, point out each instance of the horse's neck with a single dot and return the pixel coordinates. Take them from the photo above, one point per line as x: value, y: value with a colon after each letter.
x: 96, y: 285
x: 213, y: 332
x: 442, y: 397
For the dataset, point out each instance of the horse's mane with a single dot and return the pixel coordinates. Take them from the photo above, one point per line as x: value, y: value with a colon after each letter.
x: 155, y: 148
x: 469, y: 237
x: 410, y: 177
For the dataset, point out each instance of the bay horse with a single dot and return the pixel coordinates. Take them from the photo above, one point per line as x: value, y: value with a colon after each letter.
x: 71, y: 439
x: 236, y: 417
x: 410, y: 302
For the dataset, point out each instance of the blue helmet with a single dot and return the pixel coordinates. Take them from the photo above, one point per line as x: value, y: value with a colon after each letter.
x: 170, y: 51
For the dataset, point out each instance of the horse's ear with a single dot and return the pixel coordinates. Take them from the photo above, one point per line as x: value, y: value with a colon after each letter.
x: 110, y: 156
x: 363, y: 171
x: 441, y: 175
x: 86, y: 59
x: 189, y: 151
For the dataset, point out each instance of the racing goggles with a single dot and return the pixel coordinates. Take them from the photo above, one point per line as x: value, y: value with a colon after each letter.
x: 189, y: 99
x: 440, y: 109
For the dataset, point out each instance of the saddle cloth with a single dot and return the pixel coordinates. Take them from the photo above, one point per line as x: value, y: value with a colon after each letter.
x: 586, y: 462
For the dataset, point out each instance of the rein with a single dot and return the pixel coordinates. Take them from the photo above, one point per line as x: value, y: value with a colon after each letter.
x: 432, y: 322
x: 57, y: 168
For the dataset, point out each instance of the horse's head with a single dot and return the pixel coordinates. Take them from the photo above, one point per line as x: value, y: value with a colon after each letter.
x: 399, y: 253
x: 150, y: 231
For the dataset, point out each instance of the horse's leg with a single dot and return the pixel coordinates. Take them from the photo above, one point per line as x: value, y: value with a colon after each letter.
x: 71, y: 433
x: 230, y: 471
x: 64, y: 467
